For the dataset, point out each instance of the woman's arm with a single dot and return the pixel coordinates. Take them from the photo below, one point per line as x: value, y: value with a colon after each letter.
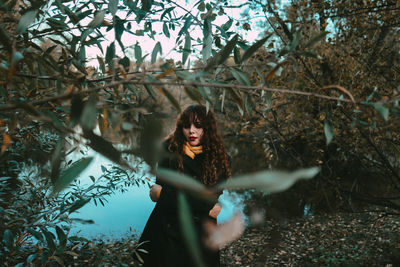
x: 155, y: 192
x: 214, y: 212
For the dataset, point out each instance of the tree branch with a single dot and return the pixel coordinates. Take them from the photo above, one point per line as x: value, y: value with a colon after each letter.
x: 161, y: 83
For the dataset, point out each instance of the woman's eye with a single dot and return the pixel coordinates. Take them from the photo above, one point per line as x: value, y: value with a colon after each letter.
x: 186, y: 126
x: 197, y: 125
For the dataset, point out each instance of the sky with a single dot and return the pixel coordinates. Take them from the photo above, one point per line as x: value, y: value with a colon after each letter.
x: 168, y: 44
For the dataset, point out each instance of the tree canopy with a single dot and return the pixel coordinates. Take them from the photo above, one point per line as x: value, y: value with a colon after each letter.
x: 318, y: 87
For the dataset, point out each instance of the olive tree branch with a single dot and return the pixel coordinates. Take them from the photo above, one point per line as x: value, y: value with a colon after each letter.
x: 246, y: 88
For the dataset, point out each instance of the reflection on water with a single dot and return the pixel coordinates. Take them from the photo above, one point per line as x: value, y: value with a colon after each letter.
x: 127, y: 213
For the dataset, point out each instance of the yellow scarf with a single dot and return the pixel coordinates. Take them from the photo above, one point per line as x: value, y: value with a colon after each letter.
x: 192, y: 151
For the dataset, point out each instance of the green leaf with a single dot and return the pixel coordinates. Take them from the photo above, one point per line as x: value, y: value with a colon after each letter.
x: 150, y: 145
x: 104, y: 147
x: 103, y: 169
x: 223, y: 54
x: 36, y: 234
x: 262, y: 76
x: 227, y: 25
x: 89, y: 115
x: 125, y: 62
x: 328, y: 130
x: 167, y: 11
x: 31, y: 258
x: 119, y: 29
x: 26, y: 20
x: 77, y: 106
x: 8, y: 238
x: 70, y: 174
x: 149, y: 88
x: 113, y: 6
x: 78, y: 204
x: 166, y: 30
x: 50, y: 240
x: 138, y: 54
x: 240, y: 76
x: 188, y: 229
x: 98, y: 19
x: 236, y: 55
x: 82, y: 54
x: 204, y: 91
x: 316, y: 39
x: 268, y: 99
x: 45, y: 257
x: 193, y: 93
x: 84, y: 14
x: 296, y: 41
x: 243, y: 45
x: 207, y: 40
x: 384, y: 111
x: 110, y: 54
x: 248, y: 104
x: 267, y: 181
x: 170, y: 97
x: 85, y: 34
x: 252, y: 49
x: 72, y: 16
x: 181, y: 181
x: 187, y: 48
x: 101, y: 64
x: 56, y: 161
x: 146, y: 4
x: 57, y: 24
x: 62, y: 238
x: 157, y: 49
x: 188, y: 23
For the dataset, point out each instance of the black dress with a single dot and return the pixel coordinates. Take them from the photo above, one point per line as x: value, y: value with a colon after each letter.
x: 166, y: 246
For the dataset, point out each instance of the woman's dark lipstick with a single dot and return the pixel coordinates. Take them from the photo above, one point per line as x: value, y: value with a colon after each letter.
x: 192, y: 138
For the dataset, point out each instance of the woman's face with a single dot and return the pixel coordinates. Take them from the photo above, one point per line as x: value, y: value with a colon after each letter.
x: 193, y: 133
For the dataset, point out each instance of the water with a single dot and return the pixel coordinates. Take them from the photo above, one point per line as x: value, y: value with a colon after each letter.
x: 127, y: 213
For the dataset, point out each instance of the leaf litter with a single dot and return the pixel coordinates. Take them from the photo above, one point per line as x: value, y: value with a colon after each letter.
x: 342, y: 239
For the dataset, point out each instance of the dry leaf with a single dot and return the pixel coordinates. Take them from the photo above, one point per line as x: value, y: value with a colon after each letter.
x: 6, y: 142
x: 105, y: 120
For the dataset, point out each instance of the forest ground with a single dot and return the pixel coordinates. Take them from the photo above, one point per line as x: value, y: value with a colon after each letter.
x: 342, y: 239
x: 339, y: 239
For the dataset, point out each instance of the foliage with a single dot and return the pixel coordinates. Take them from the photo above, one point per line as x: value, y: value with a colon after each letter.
x: 320, y: 86
x: 355, y: 144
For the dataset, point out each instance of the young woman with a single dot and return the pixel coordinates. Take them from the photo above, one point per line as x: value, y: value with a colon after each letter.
x: 194, y: 148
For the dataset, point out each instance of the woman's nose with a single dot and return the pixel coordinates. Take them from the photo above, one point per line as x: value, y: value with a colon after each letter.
x: 192, y: 128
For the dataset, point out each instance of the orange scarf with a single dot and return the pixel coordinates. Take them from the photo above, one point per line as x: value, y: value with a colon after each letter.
x: 192, y: 151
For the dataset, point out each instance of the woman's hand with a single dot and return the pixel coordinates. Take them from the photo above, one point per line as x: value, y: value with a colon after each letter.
x: 215, y: 211
x: 155, y: 192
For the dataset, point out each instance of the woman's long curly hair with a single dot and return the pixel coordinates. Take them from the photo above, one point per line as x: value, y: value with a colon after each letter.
x: 215, y: 163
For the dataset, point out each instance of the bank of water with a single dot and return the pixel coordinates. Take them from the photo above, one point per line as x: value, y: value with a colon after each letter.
x: 125, y: 214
